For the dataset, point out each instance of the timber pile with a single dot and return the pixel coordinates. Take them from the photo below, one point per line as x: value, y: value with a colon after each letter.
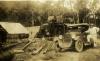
x: 41, y: 46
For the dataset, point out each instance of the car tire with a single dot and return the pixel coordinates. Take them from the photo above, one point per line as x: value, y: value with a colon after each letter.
x: 79, y: 45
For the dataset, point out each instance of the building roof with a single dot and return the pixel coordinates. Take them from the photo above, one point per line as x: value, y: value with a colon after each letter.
x: 14, y: 28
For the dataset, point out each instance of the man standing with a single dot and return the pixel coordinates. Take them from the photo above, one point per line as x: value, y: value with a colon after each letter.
x: 92, y: 34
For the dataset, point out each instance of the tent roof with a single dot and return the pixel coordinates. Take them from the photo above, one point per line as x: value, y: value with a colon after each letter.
x: 14, y: 28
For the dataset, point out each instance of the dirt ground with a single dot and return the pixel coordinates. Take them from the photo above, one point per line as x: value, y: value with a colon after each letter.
x: 89, y: 54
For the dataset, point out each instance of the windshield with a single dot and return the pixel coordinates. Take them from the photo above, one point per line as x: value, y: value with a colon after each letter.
x: 81, y: 28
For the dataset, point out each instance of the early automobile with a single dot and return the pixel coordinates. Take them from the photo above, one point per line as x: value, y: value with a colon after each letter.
x: 66, y: 35
x: 75, y: 37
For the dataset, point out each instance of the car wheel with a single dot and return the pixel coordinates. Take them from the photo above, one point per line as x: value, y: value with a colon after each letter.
x: 79, y: 45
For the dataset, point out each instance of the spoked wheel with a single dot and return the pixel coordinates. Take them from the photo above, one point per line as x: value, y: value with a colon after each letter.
x: 79, y: 45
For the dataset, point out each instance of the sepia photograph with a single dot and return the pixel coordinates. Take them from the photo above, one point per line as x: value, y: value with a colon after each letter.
x: 49, y: 30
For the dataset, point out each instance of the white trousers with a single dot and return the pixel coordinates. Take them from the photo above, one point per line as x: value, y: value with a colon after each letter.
x: 93, y: 37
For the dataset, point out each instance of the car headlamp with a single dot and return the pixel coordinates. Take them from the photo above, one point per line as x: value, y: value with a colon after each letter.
x: 73, y: 36
x: 60, y: 37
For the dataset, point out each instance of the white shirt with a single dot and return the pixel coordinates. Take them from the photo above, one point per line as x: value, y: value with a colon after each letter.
x: 93, y: 30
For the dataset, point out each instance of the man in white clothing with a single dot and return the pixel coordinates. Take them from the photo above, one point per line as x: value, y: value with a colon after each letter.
x: 92, y: 34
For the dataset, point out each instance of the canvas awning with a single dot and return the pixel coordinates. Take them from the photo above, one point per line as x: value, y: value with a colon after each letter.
x: 14, y: 28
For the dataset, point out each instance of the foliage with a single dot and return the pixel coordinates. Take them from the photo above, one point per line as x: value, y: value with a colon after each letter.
x: 35, y: 13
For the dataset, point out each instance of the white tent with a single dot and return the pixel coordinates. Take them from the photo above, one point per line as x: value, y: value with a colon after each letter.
x: 14, y: 29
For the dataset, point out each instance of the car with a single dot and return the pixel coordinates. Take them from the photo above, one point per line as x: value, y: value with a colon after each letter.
x: 74, y: 38
x: 66, y: 36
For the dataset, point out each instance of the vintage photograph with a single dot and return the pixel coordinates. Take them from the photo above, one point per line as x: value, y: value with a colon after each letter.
x: 49, y: 30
